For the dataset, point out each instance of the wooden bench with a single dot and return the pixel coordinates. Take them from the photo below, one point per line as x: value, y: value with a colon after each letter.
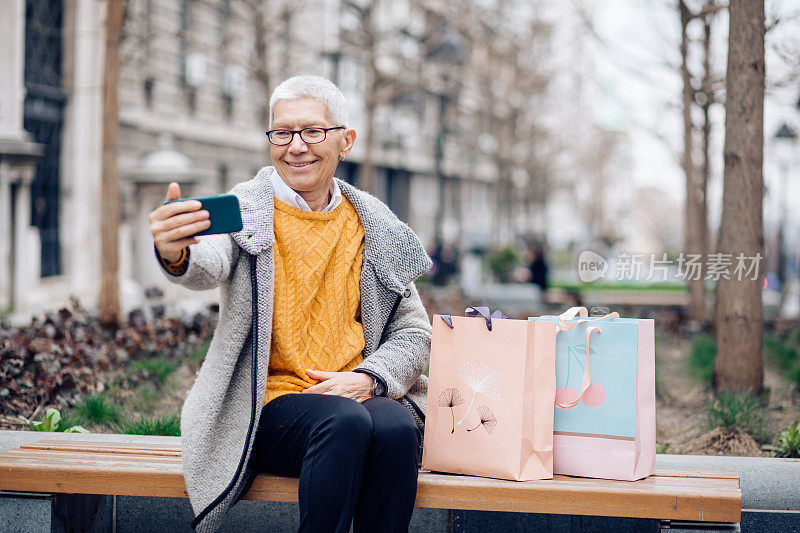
x: 82, y: 467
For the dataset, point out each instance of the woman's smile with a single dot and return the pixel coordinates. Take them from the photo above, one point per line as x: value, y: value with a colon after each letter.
x: 300, y: 164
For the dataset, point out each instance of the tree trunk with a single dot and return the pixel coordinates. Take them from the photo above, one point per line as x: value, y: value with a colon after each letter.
x: 109, y: 191
x: 738, y: 364
x: 695, y: 230
x: 705, y: 133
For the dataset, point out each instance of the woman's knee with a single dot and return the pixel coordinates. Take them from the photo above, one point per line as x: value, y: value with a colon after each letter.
x: 397, y: 432
x: 347, y: 423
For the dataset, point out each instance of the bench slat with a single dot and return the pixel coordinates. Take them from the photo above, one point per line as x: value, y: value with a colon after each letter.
x: 116, y: 447
x: 155, y: 470
x: 128, y: 447
x: 113, y: 461
x: 55, y: 452
x: 175, y: 450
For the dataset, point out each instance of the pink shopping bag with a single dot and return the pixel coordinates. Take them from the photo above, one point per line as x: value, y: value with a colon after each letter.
x: 605, y: 418
x: 490, y: 397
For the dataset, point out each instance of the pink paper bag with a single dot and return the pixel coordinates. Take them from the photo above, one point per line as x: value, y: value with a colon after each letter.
x: 490, y: 397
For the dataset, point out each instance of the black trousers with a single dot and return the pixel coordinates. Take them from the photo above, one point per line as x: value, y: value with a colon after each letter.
x: 357, y: 462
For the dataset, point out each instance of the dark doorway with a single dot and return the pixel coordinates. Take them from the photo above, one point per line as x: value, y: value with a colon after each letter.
x: 44, y: 117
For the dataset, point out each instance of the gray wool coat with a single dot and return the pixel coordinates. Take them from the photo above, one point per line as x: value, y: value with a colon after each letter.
x: 220, y: 416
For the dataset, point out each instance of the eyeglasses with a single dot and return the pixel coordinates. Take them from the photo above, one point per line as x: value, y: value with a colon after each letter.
x: 308, y: 135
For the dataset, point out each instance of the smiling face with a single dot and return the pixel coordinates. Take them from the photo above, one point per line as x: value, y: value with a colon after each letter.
x: 308, y: 168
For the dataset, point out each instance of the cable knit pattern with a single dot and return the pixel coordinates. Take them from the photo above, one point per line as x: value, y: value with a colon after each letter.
x: 317, y: 268
x: 217, y: 412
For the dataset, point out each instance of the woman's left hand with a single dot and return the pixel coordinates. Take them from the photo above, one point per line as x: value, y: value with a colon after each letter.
x: 355, y: 385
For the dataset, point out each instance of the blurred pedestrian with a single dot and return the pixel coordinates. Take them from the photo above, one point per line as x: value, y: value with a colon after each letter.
x: 537, y: 265
x: 445, y: 259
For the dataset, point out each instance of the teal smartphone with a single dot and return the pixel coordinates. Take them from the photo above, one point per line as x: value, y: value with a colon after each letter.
x: 223, y: 211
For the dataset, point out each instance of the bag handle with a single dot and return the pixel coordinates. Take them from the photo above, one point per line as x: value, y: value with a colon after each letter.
x: 572, y: 312
x: 587, y: 373
x: 475, y: 311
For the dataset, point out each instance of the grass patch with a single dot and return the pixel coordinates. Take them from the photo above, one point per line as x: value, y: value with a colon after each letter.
x: 199, y: 355
x: 70, y: 418
x: 701, y: 357
x: 738, y: 410
x: 159, y: 367
x: 145, y: 400
x: 97, y: 409
x: 169, y: 426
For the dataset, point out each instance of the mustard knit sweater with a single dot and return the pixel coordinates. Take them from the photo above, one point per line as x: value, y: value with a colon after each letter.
x: 316, y: 322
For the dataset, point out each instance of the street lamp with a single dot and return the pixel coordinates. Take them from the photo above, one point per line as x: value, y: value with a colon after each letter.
x: 784, y: 136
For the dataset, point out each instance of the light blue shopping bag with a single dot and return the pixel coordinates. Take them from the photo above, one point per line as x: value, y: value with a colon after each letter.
x: 604, y: 420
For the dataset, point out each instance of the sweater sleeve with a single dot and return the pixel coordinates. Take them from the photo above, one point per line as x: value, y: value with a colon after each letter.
x: 404, y: 353
x: 205, y: 265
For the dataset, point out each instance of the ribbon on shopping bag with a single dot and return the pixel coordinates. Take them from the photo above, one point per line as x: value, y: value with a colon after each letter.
x: 572, y: 312
x: 564, y: 324
x: 587, y: 372
x: 475, y: 311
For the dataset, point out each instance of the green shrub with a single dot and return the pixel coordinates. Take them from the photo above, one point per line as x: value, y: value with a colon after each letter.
x: 790, y: 441
x: 502, y: 262
x: 738, y: 410
x: 53, y: 422
x: 159, y: 367
x: 701, y: 357
x: 794, y: 337
x: 98, y: 410
x: 169, y: 426
x: 784, y: 355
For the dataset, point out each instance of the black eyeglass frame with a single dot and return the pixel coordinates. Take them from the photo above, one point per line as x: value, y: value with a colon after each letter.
x: 300, y: 132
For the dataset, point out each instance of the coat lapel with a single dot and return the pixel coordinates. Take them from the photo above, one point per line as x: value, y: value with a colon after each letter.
x: 258, y: 208
x: 393, y: 258
x: 393, y: 250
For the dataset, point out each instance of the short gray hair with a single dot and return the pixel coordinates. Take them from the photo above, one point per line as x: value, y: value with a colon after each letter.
x: 317, y: 87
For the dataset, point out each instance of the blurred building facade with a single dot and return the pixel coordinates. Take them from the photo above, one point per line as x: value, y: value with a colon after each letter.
x: 453, y: 103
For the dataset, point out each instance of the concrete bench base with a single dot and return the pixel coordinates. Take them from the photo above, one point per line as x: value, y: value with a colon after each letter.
x: 34, y: 513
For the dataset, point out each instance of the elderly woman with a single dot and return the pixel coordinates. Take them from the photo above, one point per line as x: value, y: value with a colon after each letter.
x: 315, y: 368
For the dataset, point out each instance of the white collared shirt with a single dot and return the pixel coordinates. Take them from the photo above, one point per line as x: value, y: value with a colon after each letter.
x: 284, y: 193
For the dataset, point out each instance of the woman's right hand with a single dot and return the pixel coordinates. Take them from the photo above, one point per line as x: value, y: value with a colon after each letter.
x: 174, y: 225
